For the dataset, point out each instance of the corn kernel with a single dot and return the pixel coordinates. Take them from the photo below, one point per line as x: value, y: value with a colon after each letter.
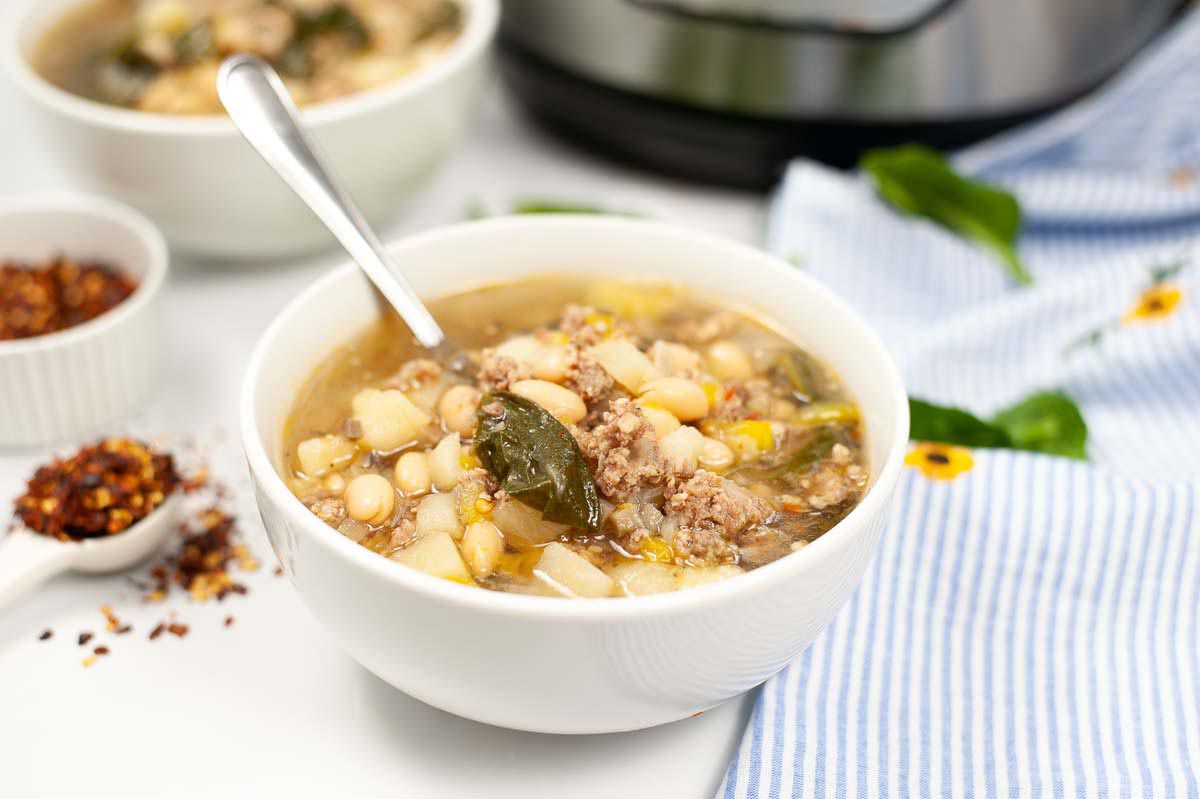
x: 657, y: 550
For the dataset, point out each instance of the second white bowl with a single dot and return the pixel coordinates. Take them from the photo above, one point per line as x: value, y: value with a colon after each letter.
x: 209, y: 191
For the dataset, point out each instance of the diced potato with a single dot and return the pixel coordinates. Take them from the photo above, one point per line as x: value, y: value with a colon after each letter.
x: 482, y: 545
x: 445, y: 463
x: 682, y: 447
x: 638, y: 578
x: 693, y: 576
x: 674, y: 360
x: 570, y: 574
x: 522, y: 349
x: 389, y: 419
x: 436, y: 554
x: 323, y: 454
x: 628, y: 365
x: 438, y: 513
x: 525, y: 524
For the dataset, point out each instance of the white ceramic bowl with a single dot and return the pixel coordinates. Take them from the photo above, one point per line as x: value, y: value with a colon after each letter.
x: 59, y: 386
x: 209, y: 191
x: 571, y: 666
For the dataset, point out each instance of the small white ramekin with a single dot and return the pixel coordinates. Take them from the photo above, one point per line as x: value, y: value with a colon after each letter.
x: 60, y: 386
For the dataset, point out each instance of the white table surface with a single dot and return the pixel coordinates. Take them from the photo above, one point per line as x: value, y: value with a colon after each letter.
x: 270, y: 706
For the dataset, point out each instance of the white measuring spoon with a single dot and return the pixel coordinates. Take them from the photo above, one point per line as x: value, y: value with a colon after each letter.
x: 261, y: 108
x: 28, y: 558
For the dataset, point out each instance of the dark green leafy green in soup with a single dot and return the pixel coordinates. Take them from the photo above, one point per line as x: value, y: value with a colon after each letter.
x: 162, y: 56
x: 582, y: 439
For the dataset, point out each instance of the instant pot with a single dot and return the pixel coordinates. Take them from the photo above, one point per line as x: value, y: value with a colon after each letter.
x: 729, y: 90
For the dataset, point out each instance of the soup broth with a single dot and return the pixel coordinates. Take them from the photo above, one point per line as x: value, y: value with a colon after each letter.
x: 580, y: 438
x: 162, y: 56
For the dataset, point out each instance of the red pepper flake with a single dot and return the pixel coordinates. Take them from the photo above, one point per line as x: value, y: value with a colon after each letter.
x: 158, y: 630
x: 101, y: 490
x: 201, y: 566
x: 61, y: 293
x: 278, y: 571
x: 124, y: 628
x: 88, y: 661
x: 84, y: 637
x: 176, y: 629
x: 46, y: 635
x: 229, y: 621
x: 100, y: 650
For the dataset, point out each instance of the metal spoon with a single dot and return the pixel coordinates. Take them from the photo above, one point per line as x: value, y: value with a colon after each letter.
x: 260, y: 107
x: 27, y: 558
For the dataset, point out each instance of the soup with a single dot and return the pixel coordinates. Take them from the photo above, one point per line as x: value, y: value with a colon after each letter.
x: 163, y: 55
x: 579, y: 438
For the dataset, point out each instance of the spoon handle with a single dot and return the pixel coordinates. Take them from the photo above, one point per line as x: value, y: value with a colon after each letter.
x: 26, y: 559
x: 258, y: 103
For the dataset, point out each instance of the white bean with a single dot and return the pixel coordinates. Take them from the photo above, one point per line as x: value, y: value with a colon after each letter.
x: 715, y: 455
x: 457, y: 409
x: 551, y: 364
x: 445, y: 463
x: 370, y: 498
x: 562, y: 403
x: 482, y: 545
x: 683, y: 398
x: 662, y: 420
x: 728, y: 361
x: 412, y: 474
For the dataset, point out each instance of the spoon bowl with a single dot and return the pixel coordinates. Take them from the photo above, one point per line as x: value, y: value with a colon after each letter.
x: 27, y: 558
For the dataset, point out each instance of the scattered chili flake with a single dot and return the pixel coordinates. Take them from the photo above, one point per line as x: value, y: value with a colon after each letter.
x: 88, y: 661
x: 158, y: 630
x: 46, y: 635
x: 124, y: 628
x: 278, y: 571
x: 229, y: 621
x: 196, y: 480
x: 61, y: 293
x: 176, y: 629
x: 101, y: 490
x: 100, y: 650
x: 84, y: 637
x: 201, y: 565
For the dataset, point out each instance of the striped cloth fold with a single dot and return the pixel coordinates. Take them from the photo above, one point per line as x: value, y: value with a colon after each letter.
x: 1030, y: 627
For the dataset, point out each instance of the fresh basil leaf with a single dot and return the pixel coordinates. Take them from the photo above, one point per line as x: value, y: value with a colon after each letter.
x: 335, y: 18
x: 917, y: 181
x: 1048, y: 421
x: 929, y: 422
x: 555, y: 207
x: 537, y: 461
x: 1045, y: 422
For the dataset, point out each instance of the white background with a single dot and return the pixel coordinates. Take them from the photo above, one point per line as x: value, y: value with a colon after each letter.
x: 269, y: 706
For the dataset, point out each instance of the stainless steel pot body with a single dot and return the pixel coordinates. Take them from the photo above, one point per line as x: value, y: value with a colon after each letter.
x: 900, y: 61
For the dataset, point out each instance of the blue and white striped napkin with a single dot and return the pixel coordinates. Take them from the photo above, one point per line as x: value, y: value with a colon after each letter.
x: 1029, y: 627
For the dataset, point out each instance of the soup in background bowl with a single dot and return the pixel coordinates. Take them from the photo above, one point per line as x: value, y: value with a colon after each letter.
x: 580, y: 438
x: 162, y: 56
x: 557, y: 665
